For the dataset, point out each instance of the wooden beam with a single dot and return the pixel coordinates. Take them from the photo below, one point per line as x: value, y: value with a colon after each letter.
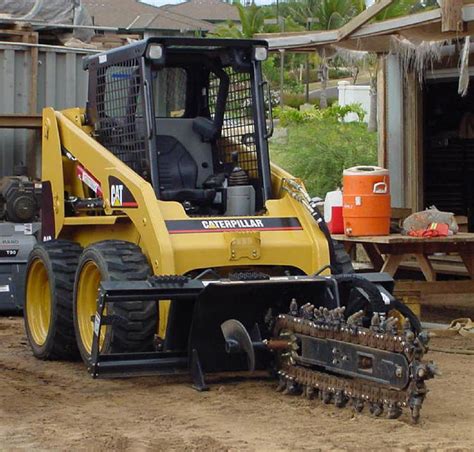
x: 436, y: 287
x: 451, y: 15
x: 361, y: 19
x: 382, y: 156
x: 20, y: 121
x: 32, y: 38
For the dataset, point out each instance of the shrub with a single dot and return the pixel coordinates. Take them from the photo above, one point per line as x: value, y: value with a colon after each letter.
x: 288, y: 115
x: 318, y: 151
x: 293, y: 100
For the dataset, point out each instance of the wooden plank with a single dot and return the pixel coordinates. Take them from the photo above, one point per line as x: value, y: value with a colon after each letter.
x: 314, y: 39
x: 426, y: 267
x: 391, y: 264
x: 19, y: 121
x: 459, y: 238
x: 440, y: 268
x: 32, y: 38
x: 362, y: 18
x: 468, y: 260
x: 374, y: 255
x: 411, y: 169
x: 382, y: 157
x: 451, y: 15
x: 436, y: 287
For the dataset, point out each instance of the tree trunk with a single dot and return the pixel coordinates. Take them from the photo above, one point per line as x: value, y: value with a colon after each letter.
x: 282, y: 75
x: 324, y: 72
x: 323, y: 99
x: 372, y: 125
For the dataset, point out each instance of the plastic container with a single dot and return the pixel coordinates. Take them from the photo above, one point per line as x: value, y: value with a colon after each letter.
x: 366, y: 201
x: 333, y: 212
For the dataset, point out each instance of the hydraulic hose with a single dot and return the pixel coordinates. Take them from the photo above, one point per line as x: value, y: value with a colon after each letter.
x: 374, y: 297
x: 375, y: 300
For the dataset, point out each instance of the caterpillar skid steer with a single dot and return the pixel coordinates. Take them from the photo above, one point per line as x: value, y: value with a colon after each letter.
x: 171, y: 244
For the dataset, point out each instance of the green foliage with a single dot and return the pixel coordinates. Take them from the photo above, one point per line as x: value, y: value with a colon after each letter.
x: 271, y: 71
x: 329, y: 14
x: 339, y: 112
x: 251, y: 22
x: 295, y: 100
x: 336, y: 113
x: 318, y: 152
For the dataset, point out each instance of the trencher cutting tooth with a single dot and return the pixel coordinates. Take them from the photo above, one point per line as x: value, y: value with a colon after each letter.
x: 331, y: 388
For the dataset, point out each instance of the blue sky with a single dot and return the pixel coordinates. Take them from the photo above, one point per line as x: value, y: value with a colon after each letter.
x: 164, y: 2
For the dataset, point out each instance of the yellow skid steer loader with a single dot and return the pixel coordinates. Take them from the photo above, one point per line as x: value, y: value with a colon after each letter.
x: 170, y: 243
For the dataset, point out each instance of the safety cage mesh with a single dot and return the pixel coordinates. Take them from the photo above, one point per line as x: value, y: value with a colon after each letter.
x: 120, y: 123
x: 238, y: 129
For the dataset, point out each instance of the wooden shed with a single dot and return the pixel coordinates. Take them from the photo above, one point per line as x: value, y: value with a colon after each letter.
x: 425, y: 126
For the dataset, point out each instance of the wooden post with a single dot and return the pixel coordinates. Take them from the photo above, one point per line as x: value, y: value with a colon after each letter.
x: 32, y: 38
x: 282, y: 75
x: 381, y: 113
x: 413, y: 141
x: 451, y: 15
x: 307, y: 79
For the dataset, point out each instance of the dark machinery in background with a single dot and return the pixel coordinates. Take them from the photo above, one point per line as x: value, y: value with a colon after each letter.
x: 19, y: 223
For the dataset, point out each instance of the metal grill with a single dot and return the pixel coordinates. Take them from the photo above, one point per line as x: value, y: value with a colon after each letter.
x: 238, y: 130
x: 120, y: 123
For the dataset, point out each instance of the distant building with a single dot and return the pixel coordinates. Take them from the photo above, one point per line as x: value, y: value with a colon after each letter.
x: 135, y: 17
x: 214, y: 11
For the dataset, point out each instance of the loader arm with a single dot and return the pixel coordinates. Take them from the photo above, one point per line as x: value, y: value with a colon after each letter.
x: 64, y: 131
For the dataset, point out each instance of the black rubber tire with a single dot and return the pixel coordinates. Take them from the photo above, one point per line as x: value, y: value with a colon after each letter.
x: 121, y: 261
x: 342, y: 261
x: 60, y: 258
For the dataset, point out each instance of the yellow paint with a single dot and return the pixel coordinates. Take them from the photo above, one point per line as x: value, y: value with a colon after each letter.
x: 167, y: 253
x: 86, y: 305
x: 38, y: 302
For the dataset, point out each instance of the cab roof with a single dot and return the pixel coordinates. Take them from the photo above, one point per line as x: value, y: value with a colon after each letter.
x: 181, y: 44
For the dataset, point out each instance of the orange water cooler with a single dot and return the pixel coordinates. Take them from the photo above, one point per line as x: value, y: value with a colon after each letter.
x: 366, y: 199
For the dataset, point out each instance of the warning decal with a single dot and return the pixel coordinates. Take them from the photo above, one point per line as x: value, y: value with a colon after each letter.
x: 89, y: 180
x: 233, y: 224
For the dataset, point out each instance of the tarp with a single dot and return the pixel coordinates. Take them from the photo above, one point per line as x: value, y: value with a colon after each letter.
x: 50, y: 12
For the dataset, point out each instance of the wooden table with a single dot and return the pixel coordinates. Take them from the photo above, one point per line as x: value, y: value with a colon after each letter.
x: 387, y: 252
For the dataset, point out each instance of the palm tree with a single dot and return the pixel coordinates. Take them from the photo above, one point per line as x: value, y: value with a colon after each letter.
x: 251, y: 22
x: 322, y: 15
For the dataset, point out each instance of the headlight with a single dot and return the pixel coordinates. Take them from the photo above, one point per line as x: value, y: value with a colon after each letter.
x: 154, y: 51
x: 260, y: 53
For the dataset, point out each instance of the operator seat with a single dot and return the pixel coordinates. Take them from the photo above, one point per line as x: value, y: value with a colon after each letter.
x: 178, y: 170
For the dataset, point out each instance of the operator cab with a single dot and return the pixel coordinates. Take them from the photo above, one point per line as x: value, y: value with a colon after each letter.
x: 188, y: 115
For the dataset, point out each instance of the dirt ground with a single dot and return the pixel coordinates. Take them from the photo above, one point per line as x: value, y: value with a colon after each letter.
x: 51, y: 405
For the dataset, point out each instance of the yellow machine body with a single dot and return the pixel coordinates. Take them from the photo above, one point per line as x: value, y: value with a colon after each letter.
x: 144, y: 223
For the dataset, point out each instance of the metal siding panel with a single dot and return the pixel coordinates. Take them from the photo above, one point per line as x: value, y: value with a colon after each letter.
x: 70, y: 97
x: 7, y: 105
x: 81, y: 82
x: 49, y: 87
x: 22, y: 92
x: 62, y: 83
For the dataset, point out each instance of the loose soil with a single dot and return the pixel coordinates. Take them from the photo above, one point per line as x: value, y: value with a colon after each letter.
x: 56, y: 405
